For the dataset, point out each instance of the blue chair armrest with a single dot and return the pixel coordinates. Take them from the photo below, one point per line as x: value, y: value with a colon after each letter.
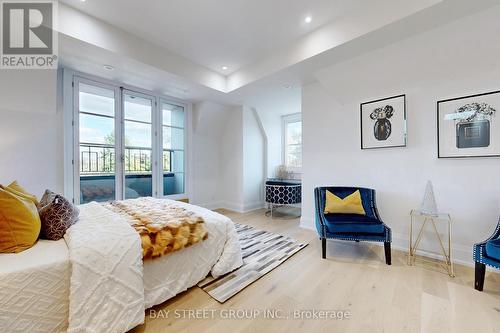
x: 373, y: 205
x: 319, y: 212
x: 495, y: 235
x: 479, y: 250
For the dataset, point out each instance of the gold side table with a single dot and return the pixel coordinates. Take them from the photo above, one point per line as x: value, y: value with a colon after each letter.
x: 430, y: 219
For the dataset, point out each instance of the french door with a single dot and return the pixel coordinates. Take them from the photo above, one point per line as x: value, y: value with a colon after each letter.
x: 138, y: 141
x: 128, y: 144
x: 97, y: 147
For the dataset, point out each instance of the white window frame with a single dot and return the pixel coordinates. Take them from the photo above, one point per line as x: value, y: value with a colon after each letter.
x: 160, y: 101
x: 154, y: 142
x: 285, y: 120
x: 70, y: 101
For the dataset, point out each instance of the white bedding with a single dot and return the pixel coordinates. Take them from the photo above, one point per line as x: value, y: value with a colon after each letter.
x: 167, y: 276
x: 34, y: 288
x: 106, y: 285
x: 40, y: 303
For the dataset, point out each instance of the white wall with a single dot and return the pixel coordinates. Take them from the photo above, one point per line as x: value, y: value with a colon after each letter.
x: 451, y: 61
x: 228, y: 157
x: 30, y: 130
x: 232, y: 161
x: 253, y: 161
x: 271, y: 107
x: 208, y: 125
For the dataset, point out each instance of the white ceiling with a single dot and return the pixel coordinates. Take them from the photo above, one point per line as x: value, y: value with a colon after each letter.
x: 216, y: 33
x: 87, y: 43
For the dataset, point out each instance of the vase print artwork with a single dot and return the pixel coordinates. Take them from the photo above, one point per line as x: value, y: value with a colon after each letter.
x: 382, y: 128
x: 473, y: 125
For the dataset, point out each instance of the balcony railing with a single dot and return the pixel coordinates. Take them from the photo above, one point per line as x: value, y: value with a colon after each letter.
x: 100, y: 159
x: 97, y: 173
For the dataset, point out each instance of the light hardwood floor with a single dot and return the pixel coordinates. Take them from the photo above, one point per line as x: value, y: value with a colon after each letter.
x: 353, y: 278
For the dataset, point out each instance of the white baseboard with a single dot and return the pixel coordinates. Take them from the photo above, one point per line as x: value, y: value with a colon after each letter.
x: 253, y: 206
x: 238, y: 208
x: 306, y: 223
x: 460, y: 254
x: 235, y: 207
x: 211, y: 205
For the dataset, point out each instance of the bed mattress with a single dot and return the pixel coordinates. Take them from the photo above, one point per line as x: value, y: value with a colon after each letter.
x: 34, y: 288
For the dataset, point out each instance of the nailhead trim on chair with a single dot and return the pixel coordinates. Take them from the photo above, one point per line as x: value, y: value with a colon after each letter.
x: 481, y: 255
x: 481, y: 247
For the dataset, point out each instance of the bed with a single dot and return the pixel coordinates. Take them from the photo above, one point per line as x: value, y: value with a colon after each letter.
x: 34, y: 288
x: 95, y: 279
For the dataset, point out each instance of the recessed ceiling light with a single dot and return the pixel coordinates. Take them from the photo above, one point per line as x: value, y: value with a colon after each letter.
x: 83, y: 0
x: 108, y: 67
x: 308, y: 19
x: 224, y: 68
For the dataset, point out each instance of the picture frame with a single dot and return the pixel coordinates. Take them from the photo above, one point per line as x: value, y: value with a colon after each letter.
x: 383, y: 123
x: 468, y: 126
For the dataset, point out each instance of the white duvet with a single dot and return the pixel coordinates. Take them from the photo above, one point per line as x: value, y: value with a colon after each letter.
x: 110, y: 286
x: 219, y: 254
x: 106, y: 291
x: 95, y: 280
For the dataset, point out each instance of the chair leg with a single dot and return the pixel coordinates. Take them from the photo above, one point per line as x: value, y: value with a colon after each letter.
x: 387, y: 250
x: 323, y: 248
x: 479, y: 279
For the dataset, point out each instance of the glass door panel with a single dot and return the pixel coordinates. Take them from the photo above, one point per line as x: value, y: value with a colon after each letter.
x: 96, y: 155
x: 173, y: 133
x: 138, y: 154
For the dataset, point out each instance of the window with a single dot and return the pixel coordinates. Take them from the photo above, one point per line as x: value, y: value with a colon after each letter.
x: 173, y: 148
x: 128, y: 144
x: 138, y: 143
x: 292, y: 141
x: 97, y: 151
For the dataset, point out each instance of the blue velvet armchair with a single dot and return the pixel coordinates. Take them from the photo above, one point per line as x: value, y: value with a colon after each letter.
x: 486, y: 253
x: 353, y: 227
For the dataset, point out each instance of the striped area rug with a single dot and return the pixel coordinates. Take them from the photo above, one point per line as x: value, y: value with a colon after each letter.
x: 262, y: 252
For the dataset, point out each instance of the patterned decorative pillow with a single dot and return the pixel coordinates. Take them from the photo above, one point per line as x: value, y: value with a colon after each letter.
x: 57, y: 215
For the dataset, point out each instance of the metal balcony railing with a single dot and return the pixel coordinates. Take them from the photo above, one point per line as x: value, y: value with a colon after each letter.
x: 99, y: 159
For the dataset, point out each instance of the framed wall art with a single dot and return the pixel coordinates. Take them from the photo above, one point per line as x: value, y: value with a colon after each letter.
x: 383, y: 123
x: 468, y: 126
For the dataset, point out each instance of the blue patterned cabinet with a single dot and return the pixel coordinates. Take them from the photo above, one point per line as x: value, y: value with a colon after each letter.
x: 282, y: 192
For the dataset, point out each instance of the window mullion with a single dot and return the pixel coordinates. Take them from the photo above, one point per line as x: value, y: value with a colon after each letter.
x: 156, y: 169
x: 119, y: 144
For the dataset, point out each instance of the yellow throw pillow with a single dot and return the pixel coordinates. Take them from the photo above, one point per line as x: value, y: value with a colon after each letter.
x: 351, y: 204
x: 19, y: 222
x: 20, y: 190
x: 20, y: 194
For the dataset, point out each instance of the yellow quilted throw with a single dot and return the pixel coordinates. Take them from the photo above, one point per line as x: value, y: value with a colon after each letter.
x: 351, y: 204
x: 163, y: 226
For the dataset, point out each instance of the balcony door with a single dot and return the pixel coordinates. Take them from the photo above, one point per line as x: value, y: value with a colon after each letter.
x: 96, y: 145
x: 138, y: 142
x: 173, y: 141
x: 128, y: 144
